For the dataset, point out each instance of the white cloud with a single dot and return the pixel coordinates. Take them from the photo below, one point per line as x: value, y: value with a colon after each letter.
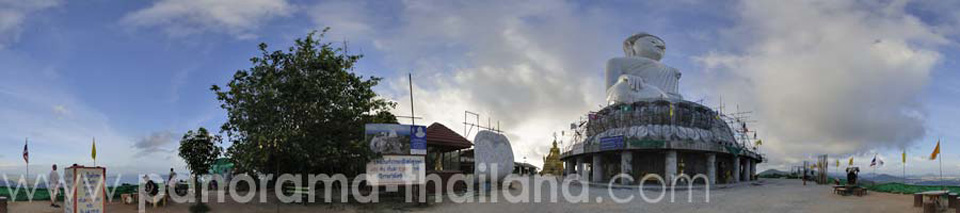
x: 13, y: 14
x: 163, y: 142
x: 349, y: 19
x: 532, y: 66
x: 185, y: 17
x: 831, y: 77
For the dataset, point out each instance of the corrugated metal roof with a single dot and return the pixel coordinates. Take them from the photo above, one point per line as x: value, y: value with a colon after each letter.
x: 440, y: 135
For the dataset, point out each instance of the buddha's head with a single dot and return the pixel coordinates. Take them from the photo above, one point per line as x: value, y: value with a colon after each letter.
x: 644, y: 45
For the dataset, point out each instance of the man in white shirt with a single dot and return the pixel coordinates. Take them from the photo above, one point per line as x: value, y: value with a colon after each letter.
x: 171, y: 181
x: 54, y: 186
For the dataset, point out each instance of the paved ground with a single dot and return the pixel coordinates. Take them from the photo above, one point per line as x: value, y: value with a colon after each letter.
x: 773, y: 195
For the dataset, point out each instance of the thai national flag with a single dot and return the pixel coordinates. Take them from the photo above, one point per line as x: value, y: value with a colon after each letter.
x: 26, y: 154
x: 876, y: 161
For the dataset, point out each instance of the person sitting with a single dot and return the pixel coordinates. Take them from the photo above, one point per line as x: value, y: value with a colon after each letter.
x: 151, y: 188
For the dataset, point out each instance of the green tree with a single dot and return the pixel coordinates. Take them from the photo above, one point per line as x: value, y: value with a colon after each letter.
x: 199, y: 150
x: 301, y: 111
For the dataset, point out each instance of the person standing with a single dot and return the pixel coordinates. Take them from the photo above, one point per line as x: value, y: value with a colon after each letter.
x: 54, y: 184
x: 171, y: 181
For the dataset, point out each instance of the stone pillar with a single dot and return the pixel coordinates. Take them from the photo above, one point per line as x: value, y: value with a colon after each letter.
x: 736, y: 169
x: 670, y: 166
x: 746, y: 169
x: 753, y: 169
x: 712, y: 168
x: 581, y: 168
x: 626, y: 166
x: 597, y: 168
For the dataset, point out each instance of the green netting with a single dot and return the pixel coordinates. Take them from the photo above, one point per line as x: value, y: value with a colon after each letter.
x: 900, y: 188
x: 42, y: 193
x: 733, y: 150
x: 221, y: 166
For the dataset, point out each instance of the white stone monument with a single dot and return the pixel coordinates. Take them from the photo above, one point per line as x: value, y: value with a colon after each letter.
x: 491, y: 149
x: 640, y: 75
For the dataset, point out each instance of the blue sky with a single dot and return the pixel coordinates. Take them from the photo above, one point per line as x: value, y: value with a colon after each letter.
x: 844, y: 78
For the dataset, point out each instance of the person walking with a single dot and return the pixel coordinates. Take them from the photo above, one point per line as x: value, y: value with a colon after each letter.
x: 54, y: 186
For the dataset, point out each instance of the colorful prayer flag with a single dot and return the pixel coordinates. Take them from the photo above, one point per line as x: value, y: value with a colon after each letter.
x: 851, y: 161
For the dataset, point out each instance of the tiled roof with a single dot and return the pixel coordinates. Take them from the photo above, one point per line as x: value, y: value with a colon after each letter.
x: 440, y: 135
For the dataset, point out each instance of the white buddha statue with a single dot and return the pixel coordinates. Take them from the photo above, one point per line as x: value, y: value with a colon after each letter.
x: 640, y: 75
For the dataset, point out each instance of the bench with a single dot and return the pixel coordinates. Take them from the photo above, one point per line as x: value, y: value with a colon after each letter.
x: 841, y: 190
x: 3, y: 205
x: 304, y: 192
x: 156, y: 201
x: 930, y: 207
x: 952, y: 200
x: 859, y: 191
x: 917, y: 199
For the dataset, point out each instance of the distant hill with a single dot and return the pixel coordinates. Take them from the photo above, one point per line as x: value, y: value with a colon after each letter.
x: 945, y: 182
x: 883, y: 178
x: 772, y: 172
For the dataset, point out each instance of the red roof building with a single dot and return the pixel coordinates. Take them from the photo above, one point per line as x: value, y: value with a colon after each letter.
x: 442, y: 139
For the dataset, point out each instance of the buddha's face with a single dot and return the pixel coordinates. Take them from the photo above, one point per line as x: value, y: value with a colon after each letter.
x: 649, y: 47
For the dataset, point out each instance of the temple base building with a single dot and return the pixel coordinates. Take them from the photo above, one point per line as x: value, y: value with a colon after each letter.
x: 647, y: 128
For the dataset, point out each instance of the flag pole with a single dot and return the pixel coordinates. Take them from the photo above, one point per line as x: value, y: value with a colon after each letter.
x: 941, y: 161
x: 25, y: 142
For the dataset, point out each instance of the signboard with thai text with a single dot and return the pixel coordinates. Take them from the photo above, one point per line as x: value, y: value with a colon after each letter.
x: 396, y: 170
x: 84, y: 190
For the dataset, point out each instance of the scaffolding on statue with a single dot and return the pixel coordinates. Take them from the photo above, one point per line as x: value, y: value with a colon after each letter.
x: 469, y: 127
x: 738, y: 122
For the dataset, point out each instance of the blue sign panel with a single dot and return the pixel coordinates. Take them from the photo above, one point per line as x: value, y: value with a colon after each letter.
x: 611, y: 143
x: 396, y: 139
x: 418, y: 140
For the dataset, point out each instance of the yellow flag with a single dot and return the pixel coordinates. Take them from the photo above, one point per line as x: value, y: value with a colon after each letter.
x: 936, y: 151
x: 93, y: 153
x: 904, y: 156
x: 838, y: 162
x: 671, y: 110
x: 851, y: 161
x: 759, y: 142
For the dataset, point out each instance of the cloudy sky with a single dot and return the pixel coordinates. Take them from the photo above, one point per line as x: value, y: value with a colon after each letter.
x: 837, y: 77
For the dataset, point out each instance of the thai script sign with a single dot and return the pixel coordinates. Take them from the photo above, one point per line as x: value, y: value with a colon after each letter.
x: 396, y: 170
x: 85, y: 191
